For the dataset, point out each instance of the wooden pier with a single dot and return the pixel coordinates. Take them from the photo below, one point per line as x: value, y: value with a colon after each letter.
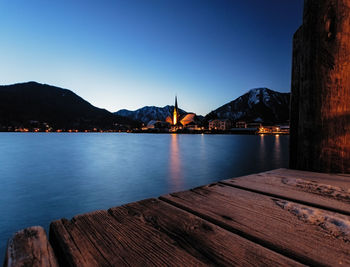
x: 276, y: 218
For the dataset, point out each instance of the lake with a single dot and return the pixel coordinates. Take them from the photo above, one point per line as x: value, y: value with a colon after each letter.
x: 47, y: 176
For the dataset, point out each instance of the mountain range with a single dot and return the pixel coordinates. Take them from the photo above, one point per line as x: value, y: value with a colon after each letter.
x: 24, y: 103
x: 149, y: 113
x: 257, y: 105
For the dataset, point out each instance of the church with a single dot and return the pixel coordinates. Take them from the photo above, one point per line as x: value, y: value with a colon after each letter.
x: 179, y: 119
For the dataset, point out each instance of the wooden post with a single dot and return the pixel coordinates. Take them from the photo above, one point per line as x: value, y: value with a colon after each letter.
x: 320, y: 104
x: 30, y: 247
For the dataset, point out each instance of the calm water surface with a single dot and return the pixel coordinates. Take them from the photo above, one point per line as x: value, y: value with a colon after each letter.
x: 47, y: 176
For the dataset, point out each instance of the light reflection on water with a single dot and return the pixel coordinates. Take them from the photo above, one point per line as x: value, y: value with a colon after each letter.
x: 262, y: 149
x: 47, y: 176
x: 176, y: 175
x: 277, y: 149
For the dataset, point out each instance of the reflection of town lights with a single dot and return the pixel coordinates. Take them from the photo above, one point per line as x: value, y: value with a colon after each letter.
x: 277, y: 135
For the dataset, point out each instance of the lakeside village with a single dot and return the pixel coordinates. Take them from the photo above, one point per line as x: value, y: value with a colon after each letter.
x: 177, y: 123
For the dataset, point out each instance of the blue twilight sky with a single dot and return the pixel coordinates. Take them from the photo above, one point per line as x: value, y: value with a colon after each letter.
x: 131, y: 53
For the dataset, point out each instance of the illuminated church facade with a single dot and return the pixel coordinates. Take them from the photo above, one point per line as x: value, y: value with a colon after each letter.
x: 174, y: 120
x: 175, y: 113
x: 178, y: 120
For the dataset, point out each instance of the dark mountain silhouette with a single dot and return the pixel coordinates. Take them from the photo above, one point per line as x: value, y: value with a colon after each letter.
x: 149, y: 113
x: 24, y: 103
x: 258, y: 105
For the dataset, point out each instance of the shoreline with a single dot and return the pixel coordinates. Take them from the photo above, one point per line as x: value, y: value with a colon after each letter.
x: 159, y: 132
x: 257, y: 134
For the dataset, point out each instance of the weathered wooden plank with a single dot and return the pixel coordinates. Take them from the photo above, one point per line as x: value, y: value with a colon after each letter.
x: 109, y: 242
x: 342, y: 178
x: 327, y: 191
x: 72, y: 247
x: 30, y: 247
x: 204, y: 240
x: 334, y: 179
x: 154, y: 233
x: 310, y: 235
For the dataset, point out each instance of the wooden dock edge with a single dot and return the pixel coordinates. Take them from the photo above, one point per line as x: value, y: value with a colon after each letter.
x: 30, y: 247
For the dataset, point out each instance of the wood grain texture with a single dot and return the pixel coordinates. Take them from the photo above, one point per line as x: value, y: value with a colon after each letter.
x: 202, y: 239
x: 30, y: 247
x: 154, y: 233
x: 215, y: 225
x: 320, y: 99
x: 272, y: 222
x: 322, y: 190
x: 98, y: 239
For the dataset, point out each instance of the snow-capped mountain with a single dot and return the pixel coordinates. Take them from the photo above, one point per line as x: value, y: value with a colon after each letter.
x: 149, y: 113
x: 259, y: 105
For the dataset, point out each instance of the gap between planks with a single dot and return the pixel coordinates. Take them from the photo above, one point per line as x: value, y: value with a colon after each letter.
x: 296, y: 200
x: 185, y: 200
x: 157, y: 216
x: 261, y: 242
x: 315, y: 189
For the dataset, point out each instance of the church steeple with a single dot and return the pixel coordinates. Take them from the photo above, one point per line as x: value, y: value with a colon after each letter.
x: 176, y: 112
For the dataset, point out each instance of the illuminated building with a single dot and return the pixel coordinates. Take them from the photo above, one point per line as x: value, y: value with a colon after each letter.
x: 220, y: 124
x: 180, y: 120
x: 175, y: 120
x: 175, y: 113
